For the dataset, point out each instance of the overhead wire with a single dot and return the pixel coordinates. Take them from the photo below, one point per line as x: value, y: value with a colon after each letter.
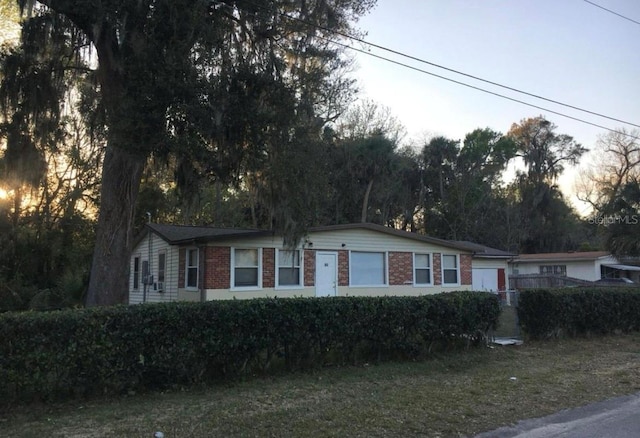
x: 577, y: 119
x: 612, y: 12
x: 423, y: 61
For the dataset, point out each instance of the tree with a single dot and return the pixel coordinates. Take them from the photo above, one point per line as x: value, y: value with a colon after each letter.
x: 168, y: 74
x: 462, y: 183
x: 617, y: 164
x: 546, y: 218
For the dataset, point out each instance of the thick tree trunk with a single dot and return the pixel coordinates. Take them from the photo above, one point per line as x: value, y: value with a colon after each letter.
x: 365, y: 202
x: 121, y: 173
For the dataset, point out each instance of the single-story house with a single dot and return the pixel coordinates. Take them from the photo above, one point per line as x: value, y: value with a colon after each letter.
x: 171, y: 262
x: 588, y: 265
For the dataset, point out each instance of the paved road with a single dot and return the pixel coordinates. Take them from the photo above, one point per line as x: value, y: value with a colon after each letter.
x: 614, y: 418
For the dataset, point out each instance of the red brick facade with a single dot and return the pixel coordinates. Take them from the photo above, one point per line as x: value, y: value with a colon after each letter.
x: 309, y: 267
x: 182, y: 260
x: 343, y: 268
x: 268, y: 267
x: 400, y: 268
x: 437, y: 269
x: 217, y: 268
x: 465, y: 269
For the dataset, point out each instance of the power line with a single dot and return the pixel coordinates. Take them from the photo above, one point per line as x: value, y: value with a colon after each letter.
x: 612, y: 12
x: 481, y: 89
x: 423, y: 61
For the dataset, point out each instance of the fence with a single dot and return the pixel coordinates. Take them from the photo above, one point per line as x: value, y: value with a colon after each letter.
x: 537, y: 281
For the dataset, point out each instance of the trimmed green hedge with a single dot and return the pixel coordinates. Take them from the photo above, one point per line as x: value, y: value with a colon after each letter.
x: 75, y: 353
x: 547, y: 313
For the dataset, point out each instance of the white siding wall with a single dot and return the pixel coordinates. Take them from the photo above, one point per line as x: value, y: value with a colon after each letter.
x: 583, y: 269
x: 354, y: 240
x: 143, y: 250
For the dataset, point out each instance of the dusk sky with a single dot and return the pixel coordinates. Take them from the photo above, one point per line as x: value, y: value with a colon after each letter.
x: 569, y: 51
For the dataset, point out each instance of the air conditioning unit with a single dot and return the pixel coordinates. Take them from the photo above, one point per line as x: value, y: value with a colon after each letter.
x: 160, y: 286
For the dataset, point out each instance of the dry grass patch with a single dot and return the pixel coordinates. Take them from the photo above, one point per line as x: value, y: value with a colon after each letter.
x: 458, y: 394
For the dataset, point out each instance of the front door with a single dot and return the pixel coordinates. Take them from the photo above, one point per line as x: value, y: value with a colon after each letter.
x: 326, y: 274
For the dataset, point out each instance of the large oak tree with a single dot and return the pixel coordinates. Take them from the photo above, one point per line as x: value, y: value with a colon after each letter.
x: 200, y: 81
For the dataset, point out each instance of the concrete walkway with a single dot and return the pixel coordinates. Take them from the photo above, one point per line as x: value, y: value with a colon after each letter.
x: 614, y: 418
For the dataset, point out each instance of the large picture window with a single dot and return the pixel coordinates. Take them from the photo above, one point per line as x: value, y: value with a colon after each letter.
x: 191, y: 277
x: 450, y: 274
x: 422, y: 269
x: 246, y: 267
x: 368, y: 269
x: 289, y: 268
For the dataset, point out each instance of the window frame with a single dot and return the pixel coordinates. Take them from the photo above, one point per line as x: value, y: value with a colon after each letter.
x: 233, y: 269
x: 136, y: 272
x: 553, y: 268
x: 385, y: 269
x: 429, y: 268
x: 299, y: 266
x: 188, y: 266
x: 443, y: 269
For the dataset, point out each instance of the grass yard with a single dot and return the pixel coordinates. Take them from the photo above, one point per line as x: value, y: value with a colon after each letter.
x: 459, y: 394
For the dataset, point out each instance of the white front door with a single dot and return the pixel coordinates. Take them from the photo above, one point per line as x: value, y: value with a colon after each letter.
x: 326, y: 274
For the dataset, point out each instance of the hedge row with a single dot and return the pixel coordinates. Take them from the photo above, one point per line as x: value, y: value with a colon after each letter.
x: 578, y: 311
x: 75, y: 353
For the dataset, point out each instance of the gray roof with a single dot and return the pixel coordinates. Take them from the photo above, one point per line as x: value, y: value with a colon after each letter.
x: 183, y: 234
x: 483, y: 251
x: 176, y: 234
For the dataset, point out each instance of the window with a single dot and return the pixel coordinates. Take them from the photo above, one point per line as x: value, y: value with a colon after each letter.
x: 289, y: 268
x: 368, y: 269
x: 554, y: 270
x: 421, y: 269
x: 159, y: 286
x: 449, y: 269
x: 136, y: 272
x: 246, y: 268
x: 145, y: 272
x: 162, y: 257
x: 191, y: 277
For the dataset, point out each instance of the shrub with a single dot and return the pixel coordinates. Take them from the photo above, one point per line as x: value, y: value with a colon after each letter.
x: 68, y: 353
x: 578, y: 311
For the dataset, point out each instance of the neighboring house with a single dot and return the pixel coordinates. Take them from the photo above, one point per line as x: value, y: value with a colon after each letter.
x: 489, y: 268
x: 588, y: 266
x: 172, y: 262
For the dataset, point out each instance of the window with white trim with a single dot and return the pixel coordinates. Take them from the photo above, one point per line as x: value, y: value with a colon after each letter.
x: 191, y: 269
x: 246, y: 268
x: 450, y: 269
x: 422, y: 269
x: 136, y: 272
x: 288, y: 268
x: 162, y: 261
x: 367, y: 268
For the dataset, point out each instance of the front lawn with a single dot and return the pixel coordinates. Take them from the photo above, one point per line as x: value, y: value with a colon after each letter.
x: 458, y: 394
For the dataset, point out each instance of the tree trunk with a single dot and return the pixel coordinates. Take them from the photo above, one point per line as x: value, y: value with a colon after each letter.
x: 121, y: 174
x: 365, y: 202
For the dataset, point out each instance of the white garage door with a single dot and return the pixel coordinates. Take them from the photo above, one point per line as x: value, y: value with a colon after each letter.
x: 484, y: 279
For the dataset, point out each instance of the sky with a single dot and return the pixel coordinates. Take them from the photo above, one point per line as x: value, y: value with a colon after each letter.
x: 566, y: 50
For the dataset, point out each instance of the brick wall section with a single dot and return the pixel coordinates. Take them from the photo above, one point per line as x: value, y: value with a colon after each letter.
x: 218, y: 267
x: 343, y: 268
x: 182, y: 257
x: 400, y: 268
x: 465, y: 269
x: 268, y: 267
x: 437, y: 269
x: 309, y: 267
